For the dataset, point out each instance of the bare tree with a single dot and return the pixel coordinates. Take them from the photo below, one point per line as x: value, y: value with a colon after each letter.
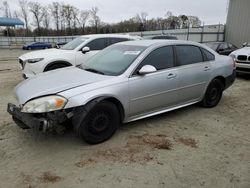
x: 142, y: 17
x: 169, y: 14
x: 37, y: 10
x: 82, y: 19
x: 6, y: 9
x: 46, y: 17
x: 95, y: 19
x: 75, y: 13
x: 55, y: 12
x: 68, y: 14
x: 62, y: 16
x: 24, y: 13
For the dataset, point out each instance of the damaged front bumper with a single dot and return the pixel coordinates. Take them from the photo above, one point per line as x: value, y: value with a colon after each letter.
x: 41, y: 122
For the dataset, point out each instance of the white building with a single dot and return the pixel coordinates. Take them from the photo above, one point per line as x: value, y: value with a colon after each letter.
x: 238, y: 22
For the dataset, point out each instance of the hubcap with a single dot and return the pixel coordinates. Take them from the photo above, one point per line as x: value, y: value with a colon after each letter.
x: 99, y: 123
x: 213, y: 94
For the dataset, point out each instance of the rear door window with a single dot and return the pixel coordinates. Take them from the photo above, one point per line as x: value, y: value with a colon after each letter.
x: 97, y: 44
x: 116, y: 40
x: 187, y: 54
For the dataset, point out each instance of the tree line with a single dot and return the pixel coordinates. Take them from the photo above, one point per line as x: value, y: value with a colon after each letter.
x: 65, y: 19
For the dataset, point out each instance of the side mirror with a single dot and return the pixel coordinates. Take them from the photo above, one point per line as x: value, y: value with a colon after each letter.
x: 146, y: 69
x: 85, y: 50
x: 244, y: 44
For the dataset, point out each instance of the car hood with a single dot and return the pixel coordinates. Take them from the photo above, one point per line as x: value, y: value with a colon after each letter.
x: 44, y: 53
x: 242, y: 51
x: 53, y: 82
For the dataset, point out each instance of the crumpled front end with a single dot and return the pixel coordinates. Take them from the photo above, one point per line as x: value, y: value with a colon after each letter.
x: 45, y: 122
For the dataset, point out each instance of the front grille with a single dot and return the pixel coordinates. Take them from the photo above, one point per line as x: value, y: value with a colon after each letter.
x: 249, y: 58
x: 242, y: 58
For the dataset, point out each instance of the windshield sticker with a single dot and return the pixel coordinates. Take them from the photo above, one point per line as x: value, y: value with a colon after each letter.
x: 132, y: 52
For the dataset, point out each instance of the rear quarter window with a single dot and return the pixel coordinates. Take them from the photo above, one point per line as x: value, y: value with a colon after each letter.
x: 208, y: 56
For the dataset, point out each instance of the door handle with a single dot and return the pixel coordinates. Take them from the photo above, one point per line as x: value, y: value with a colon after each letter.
x: 171, y: 75
x: 206, y: 68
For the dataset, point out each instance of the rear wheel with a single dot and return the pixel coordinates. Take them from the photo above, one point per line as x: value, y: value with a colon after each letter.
x: 99, y: 124
x: 213, y: 94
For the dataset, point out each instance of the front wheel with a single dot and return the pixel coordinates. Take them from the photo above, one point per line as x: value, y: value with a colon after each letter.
x: 213, y: 94
x: 100, y: 123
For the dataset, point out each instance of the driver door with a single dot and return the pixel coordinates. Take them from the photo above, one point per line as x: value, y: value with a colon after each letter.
x: 154, y: 91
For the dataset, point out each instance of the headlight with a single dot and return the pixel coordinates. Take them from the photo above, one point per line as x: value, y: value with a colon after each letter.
x: 35, y: 60
x: 45, y: 104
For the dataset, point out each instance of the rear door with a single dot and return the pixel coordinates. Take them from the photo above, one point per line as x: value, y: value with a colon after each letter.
x: 156, y: 90
x: 194, y: 72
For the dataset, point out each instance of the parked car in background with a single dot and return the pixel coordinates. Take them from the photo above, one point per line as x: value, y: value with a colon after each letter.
x: 157, y: 37
x: 37, y: 46
x: 60, y: 44
x: 242, y: 58
x: 222, y: 48
x: 71, y: 54
x: 123, y: 83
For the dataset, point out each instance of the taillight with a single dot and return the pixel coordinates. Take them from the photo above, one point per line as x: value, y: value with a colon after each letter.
x: 233, y: 60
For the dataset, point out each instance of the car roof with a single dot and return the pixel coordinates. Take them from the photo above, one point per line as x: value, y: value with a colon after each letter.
x: 110, y: 36
x: 155, y: 36
x: 147, y: 43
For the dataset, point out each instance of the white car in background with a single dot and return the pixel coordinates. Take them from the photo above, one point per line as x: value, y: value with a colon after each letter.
x: 71, y: 54
x: 242, y: 58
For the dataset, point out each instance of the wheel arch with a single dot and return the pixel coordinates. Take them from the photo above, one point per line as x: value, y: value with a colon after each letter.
x: 56, y: 62
x: 222, y: 79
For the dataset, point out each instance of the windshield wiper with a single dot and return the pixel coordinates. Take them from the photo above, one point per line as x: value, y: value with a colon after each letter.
x: 94, y: 71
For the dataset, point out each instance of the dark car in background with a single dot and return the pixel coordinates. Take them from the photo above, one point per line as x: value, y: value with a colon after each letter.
x: 60, y: 44
x: 164, y: 37
x: 37, y: 46
x: 222, y: 48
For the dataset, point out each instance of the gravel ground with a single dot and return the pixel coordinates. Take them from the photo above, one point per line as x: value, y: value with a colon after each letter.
x: 190, y: 147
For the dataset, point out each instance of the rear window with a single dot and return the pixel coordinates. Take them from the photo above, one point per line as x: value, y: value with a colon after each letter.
x: 187, y: 54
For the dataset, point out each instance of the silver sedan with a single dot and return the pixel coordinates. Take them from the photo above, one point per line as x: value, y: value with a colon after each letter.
x: 123, y: 83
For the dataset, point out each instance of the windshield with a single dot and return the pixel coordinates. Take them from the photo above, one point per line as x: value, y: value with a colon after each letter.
x: 113, y: 60
x: 213, y: 46
x: 74, y: 43
x: 248, y: 44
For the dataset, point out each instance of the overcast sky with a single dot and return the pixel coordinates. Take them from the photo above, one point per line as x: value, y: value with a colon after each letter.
x: 111, y: 11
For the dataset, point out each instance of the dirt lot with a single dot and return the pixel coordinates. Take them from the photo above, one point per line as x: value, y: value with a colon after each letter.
x: 190, y: 147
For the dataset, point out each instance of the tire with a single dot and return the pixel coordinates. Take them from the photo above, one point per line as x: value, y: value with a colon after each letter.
x: 56, y: 66
x: 213, y: 94
x: 99, y: 124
